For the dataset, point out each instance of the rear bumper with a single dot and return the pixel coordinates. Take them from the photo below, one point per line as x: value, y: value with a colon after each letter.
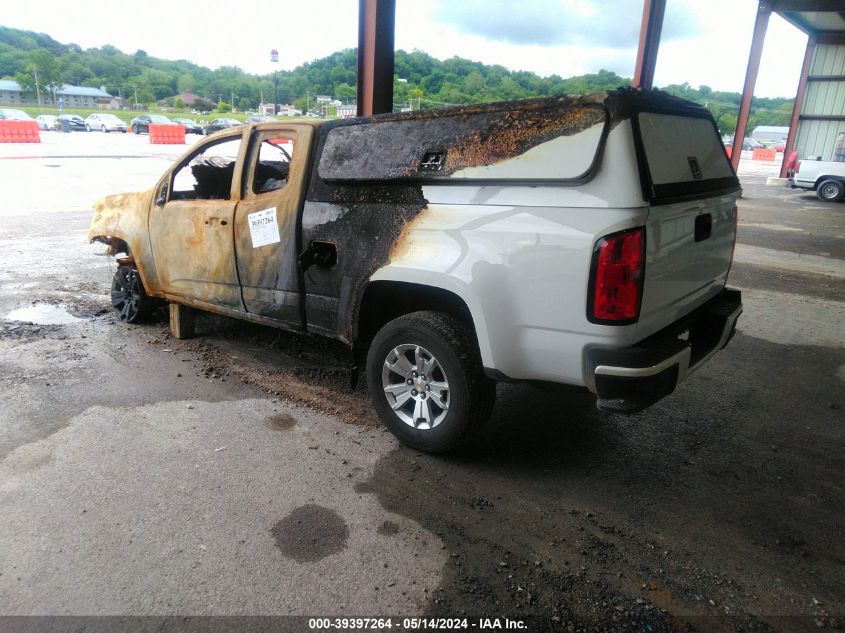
x: 633, y: 378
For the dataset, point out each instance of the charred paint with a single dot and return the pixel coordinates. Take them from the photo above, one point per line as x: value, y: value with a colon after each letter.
x: 364, y: 234
x: 394, y: 146
x: 123, y: 218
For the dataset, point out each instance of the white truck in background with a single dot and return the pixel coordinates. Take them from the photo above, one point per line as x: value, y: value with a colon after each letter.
x: 825, y: 177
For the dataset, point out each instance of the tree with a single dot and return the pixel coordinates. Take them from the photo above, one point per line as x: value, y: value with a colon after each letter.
x: 224, y: 107
x: 44, y: 64
x: 203, y: 105
x: 186, y: 82
x: 344, y: 92
x: 244, y: 104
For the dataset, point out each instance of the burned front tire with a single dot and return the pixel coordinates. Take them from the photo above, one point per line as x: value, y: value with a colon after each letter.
x: 426, y: 381
x: 128, y: 299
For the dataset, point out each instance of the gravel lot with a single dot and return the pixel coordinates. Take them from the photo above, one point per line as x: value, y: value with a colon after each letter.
x: 237, y: 474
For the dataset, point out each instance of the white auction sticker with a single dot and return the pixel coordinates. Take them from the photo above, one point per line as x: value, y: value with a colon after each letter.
x: 263, y: 227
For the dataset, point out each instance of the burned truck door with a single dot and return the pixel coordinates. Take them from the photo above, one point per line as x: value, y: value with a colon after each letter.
x: 191, y: 221
x: 265, y: 222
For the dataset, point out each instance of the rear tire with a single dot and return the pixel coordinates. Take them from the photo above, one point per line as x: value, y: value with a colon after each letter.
x: 129, y: 300
x: 830, y: 190
x: 427, y: 383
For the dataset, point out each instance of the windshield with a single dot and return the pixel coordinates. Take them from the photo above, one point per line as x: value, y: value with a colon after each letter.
x: 157, y: 118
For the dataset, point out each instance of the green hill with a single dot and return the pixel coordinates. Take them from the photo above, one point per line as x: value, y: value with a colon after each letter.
x: 420, y: 79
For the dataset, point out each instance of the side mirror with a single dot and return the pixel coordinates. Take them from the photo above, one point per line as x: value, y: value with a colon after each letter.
x: 161, y: 198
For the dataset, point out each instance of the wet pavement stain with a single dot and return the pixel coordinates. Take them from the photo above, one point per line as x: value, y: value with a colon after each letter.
x: 311, y: 533
x: 388, y: 528
x: 281, y: 422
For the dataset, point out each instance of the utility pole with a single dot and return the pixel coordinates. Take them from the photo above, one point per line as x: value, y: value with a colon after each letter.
x: 37, y: 89
x: 274, y: 58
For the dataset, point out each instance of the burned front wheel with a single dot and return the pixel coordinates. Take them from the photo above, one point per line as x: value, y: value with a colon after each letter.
x: 128, y: 299
x: 426, y: 381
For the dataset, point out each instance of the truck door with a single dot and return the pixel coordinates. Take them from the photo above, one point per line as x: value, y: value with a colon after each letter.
x: 191, y: 224
x: 265, y: 222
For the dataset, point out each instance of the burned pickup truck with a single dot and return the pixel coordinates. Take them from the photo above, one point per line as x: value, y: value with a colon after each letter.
x: 577, y: 240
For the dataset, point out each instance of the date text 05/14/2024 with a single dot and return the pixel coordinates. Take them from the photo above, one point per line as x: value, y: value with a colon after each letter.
x: 415, y: 624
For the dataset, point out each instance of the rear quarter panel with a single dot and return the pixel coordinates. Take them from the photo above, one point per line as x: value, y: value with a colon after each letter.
x: 519, y: 257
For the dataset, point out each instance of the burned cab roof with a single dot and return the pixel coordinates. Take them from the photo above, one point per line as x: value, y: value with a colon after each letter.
x: 450, y: 142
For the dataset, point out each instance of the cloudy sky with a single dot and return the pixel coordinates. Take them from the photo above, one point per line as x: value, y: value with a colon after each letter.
x: 703, y: 42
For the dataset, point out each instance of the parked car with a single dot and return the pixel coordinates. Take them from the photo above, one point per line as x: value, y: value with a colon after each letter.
x: 105, y: 122
x: 220, y: 124
x: 75, y: 122
x: 46, y: 121
x: 191, y: 126
x: 261, y: 118
x: 13, y: 114
x: 142, y: 122
x: 825, y: 177
x: 748, y: 144
x: 354, y: 230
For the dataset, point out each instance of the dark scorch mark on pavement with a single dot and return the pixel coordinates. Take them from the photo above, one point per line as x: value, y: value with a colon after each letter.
x: 311, y: 533
x: 281, y: 422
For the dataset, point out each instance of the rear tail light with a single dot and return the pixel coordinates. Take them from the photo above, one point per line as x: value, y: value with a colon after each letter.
x: 616, y: 284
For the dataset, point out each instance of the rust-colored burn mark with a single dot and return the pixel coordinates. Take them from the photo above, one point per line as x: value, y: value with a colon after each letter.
x: 516, y: 134
x: 394, y: 147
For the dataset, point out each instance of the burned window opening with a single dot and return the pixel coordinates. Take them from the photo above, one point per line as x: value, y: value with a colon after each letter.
x: 407, y: 148
x: 208, y: 174
x: 272, y: 166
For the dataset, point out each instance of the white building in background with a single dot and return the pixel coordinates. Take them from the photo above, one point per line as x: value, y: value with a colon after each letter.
x: 770, y: 133
x: 347, y: 111
x: 285, y: 109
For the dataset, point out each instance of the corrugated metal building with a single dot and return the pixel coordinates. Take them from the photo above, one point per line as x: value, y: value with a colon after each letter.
x: 822, y: 116
x: 819, y: 117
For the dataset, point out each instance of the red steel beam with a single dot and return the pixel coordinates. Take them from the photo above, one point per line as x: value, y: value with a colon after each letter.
x: 764, y: 10
x: 376, y: 36
x: 650, y: 30
x: 799, y: 102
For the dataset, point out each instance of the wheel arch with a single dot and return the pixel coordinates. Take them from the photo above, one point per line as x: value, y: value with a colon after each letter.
x: 821, y: 179
x: 393, y: 293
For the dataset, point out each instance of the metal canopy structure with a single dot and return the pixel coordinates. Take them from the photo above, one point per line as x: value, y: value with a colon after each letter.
x: 822, y: 20
x: 376, y: 35
x: 824, y: 23
x: 823, y: 70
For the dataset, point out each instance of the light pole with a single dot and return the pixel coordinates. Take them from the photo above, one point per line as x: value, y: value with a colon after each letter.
x: 274, y: 58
